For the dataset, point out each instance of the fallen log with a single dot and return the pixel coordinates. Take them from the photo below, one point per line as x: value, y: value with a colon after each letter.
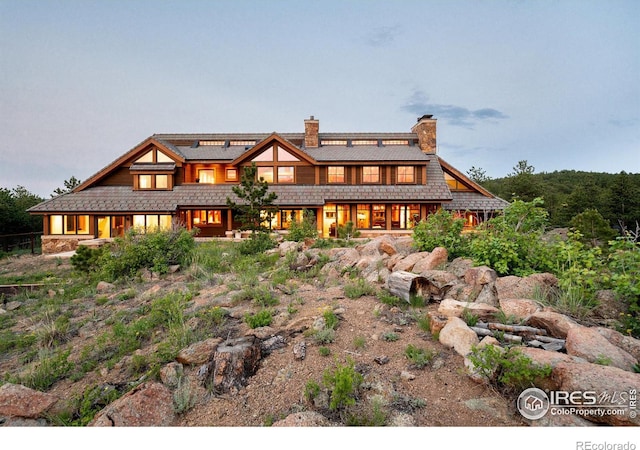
x: 511, y: 328
x: 406, y: 284
x: 505, y: 336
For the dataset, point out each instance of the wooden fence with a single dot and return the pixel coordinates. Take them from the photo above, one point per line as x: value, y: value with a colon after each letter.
x: 11, y: 242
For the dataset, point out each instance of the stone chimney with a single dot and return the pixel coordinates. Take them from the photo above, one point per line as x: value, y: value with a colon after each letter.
x: 311, y: 128
x: 426, y: 131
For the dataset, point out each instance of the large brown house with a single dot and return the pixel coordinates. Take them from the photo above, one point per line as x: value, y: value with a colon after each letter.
x: 382, y: 182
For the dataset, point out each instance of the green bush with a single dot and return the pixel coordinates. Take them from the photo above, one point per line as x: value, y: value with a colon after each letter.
x: 86, y: 259
x: 359, y: 288
x: 331, y: 320
x: 348, y: 231
x: 304, y: 229
x: 155, y: 251
x: 260, y: 319
x: 419, y: 357
x: 507, y: 369
x: 343, y: 383
x: 440, y: 229
x: 257, y: 243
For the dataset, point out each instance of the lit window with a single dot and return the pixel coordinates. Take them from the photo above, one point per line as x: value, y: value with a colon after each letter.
x: 55, y: 225
x: 231, y: 174
x: 395, y: 142
x: 285, y: 174
x: 406, y: 174
x: 284, y: 155
x: 162, y: 158
x: 242, y: 143
x: 144, y: 181
x: 364, y: 142
x: 162, y: 181
x: 266, y: 174
x: 335, y: 174
x: 266, y: 156
x: 218, y: 143
x: 146, y: 158
x: 333, y: 142
x: 207, y: 217
x: 206, y: 176
x: 371, y: 174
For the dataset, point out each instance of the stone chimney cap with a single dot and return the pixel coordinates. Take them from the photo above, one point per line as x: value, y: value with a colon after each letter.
x: 426, y: 116
x: 311, y: 118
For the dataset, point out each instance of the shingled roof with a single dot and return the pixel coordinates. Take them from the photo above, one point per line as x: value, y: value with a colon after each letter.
x: 474, y: 201
x: 121, y: 199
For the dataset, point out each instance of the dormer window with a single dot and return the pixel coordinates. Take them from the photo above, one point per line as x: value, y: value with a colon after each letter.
x: 371, y: 174
x: 206, y: 176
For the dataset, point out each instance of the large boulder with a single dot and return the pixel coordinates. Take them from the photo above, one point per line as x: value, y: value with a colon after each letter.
x: 587, y: 343
x: 406, y: 264
x: 480, y: 275
x: 516, y: 287
x: 148, y: 405
x: 20, y: 401
x: 437, y: 258
x: 454, y: 308
x: 520, y: 308
x: 542, y: 357
x: 556, y: 324
x: 458, y: 335
x: 601, y: 380
x: 626, y: 343
x: 198, y: 352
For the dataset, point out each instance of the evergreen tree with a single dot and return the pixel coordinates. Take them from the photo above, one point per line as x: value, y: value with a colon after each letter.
x: 256, y: 203
x: 69, y: 185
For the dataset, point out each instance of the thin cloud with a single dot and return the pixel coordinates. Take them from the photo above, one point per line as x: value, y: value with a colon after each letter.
x: 418, y: 103
x: 382, y: 36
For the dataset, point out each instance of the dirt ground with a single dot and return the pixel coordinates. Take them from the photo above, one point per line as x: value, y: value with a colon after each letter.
x: 439, y: 395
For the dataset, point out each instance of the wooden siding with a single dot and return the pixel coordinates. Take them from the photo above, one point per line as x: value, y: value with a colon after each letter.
x: 119, y: 177
x: 306, y: 175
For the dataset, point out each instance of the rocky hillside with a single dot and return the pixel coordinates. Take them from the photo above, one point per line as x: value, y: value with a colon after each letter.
x: 302, y: 336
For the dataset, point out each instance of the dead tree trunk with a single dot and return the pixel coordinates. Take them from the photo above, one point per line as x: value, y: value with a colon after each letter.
x: 405, y: 284
x: 233, y: 363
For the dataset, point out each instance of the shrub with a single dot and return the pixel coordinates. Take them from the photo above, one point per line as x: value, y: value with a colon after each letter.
x: 358, y: 288
x: 304, y: 229
x: 440, y: 229
x: 343, y: 384
x: 311, y: 390
x: 419, y: 357
x: 324, y: 351
x: 260, y: 319
x: 331, y: 320
x: 325, y: 336
x: 86, y: 259
x: 388, y: 299
x: 257, y: 243
x: 507, y: 369
x: 390, y: 336
x: 155, y: 251
x: 348, y: 231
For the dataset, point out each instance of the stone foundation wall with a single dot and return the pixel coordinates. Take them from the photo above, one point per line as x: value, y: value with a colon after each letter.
x: 59, y: 244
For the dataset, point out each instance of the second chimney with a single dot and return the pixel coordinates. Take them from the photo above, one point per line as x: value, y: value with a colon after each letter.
x: 311, y: 129
x: 426, y: 131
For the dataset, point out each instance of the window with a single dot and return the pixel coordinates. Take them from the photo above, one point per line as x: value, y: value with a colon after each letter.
x: 266, y: 156
x: 379, y: 219
x: 162, y: 158
x: 216, y: 143
x: 395, y: 142
x: 265, y: 173
x: 335, y: 174
x: 158, y: 181
x: 69, y: 224
x: 406, y: 174
x: 162, y: 181
x: 364, y: 216
x: 207, y: 217
x: 245, y: 143
x: 404, y: 216
x: 334, y: 142
x: 364, y: 142
x: 284, y: 155
x: 144, y: 182
x: 231, y: 174
x: 152, y: 222
x: 455, y: 184
x: 206, y: 176
x: 146, y: 158
x: 285, y: 174
x: 371, y: 174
